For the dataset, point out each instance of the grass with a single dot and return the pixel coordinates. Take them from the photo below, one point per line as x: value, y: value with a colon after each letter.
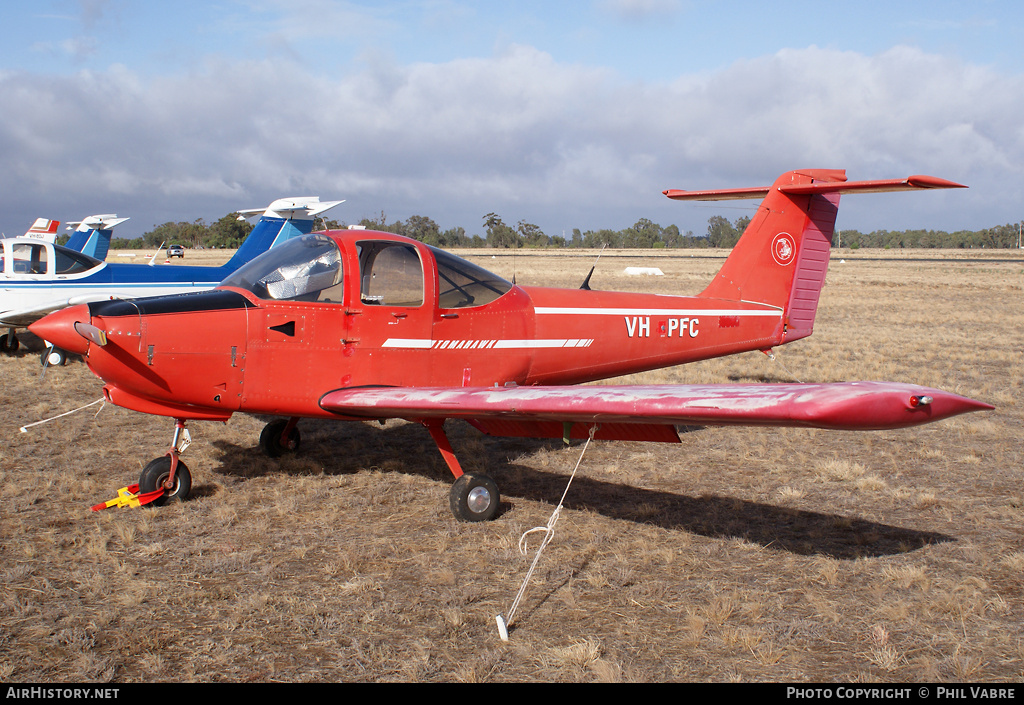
x: 739, y: 555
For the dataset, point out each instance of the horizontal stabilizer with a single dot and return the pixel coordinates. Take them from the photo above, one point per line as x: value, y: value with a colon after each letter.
x: 300, y: 207
x: 841, y: 406
x: 839, y: 185
x: 96, y: 222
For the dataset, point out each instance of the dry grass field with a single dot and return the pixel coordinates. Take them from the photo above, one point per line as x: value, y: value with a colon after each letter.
x: 741, y: 555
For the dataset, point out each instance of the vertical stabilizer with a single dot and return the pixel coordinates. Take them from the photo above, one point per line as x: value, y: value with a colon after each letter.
x: 282, y: 220
x: 92, y: 235
x: 44, y: 229
x: 782, y: 257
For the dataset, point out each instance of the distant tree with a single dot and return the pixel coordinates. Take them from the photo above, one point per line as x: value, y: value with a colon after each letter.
x: 531, y: 234
x: 380, y: 223
x: 326, y: 224
x: 228, y: 232
x: 499, y: 234
x: 643, y: 234
x: 454, y: 237
x: 721, y: 233
x: 422, y: 228
x: 602, y: 238
x: 168, y: 233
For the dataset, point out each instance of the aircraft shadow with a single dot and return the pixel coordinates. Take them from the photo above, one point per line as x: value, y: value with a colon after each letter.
x: 342, y: 448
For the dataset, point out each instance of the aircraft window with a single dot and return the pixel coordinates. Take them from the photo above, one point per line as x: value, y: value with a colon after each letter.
x: 391, y: 274
x: 28, y: 259
x: 303, y: 269
x: 464, y: 284
x: 71, y: 262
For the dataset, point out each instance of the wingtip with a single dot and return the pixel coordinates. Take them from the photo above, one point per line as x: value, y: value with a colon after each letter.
x: 925, y: 181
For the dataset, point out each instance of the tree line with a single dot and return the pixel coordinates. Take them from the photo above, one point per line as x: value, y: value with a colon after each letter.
x: 229, y: 232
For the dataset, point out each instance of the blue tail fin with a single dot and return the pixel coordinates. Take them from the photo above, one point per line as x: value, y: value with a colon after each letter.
x: 92, y: 235
x: 282, y: 220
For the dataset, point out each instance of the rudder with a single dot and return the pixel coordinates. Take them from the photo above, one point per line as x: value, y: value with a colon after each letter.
x: 782, y: 257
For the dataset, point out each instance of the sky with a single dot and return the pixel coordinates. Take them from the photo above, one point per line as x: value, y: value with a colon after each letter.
x: 572, y: 114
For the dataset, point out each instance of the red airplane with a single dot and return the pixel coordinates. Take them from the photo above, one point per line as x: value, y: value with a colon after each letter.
x: 359, y: 325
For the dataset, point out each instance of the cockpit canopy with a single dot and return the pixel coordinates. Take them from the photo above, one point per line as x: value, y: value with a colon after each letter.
x: 44, y: 258
x: 391, y: 273
x: 297, y: 270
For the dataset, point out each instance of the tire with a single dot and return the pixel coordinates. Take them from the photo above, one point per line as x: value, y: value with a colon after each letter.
x: 270, y: 439
x: 154, y: 474
x: 474, y: 498
x: 53, y: 357
x: 9, y: 343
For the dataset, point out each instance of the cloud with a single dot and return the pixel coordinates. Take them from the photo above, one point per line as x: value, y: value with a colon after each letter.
x: 640, y: 9
x: 518, y: 133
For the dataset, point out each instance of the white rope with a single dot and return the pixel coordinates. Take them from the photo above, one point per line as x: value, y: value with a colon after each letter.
x: 26, y: 427
x: 770, y: 354
x: 549, y: 533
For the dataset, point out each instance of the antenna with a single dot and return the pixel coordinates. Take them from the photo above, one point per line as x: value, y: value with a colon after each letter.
x: 586, y: 282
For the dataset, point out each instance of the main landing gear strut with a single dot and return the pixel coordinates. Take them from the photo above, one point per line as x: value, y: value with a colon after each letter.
x: 473, y: 497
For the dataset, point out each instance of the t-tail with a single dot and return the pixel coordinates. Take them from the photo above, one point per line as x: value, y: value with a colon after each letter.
x: 92, y: 235
x: 782, y: 257
x: 282, y: 220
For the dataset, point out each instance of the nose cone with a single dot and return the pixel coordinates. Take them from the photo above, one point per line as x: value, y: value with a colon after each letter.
x: 59, y: 328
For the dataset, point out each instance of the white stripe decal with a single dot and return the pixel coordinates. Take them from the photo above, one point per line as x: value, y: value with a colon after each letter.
x: 425, y: 344
x: 418, y: 343
x: 656, y: 311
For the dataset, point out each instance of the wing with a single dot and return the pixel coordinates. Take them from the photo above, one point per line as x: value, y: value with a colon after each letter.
x: 651, y: 412
x: 20, y: 318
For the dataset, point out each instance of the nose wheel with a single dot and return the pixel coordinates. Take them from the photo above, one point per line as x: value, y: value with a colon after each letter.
x: 168, y: 473
x: 53, y: 357
x: 157, y: 475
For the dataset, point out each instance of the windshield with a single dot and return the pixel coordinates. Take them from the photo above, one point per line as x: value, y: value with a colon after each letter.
x: 303, y: 269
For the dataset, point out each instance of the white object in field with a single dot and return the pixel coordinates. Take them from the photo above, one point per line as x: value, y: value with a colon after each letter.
x: 654, y: 271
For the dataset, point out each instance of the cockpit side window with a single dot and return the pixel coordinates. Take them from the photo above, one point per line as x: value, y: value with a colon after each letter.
x: 464, y: 284
x: 391, y: 274
x: 71, y: 262
x: 304, y: 269
x: 27, y: 259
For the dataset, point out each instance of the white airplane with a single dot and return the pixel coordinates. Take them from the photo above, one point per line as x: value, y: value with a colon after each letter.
x: 39, y: 277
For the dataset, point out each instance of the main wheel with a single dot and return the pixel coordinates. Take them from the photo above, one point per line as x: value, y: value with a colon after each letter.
x: 53, y: 357
x: 474, y: 498
x: 270, y: 439
x: 9, y: 343
x: 158, y: 470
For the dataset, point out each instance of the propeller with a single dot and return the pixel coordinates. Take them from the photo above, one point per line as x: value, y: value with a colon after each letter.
x: 91, y: 332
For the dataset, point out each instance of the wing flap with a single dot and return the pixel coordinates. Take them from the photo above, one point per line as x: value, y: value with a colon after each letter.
x: 652, y: 433
x: 840, y: 406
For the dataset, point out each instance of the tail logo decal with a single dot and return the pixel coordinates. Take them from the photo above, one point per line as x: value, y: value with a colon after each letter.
x: 783, y: 249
